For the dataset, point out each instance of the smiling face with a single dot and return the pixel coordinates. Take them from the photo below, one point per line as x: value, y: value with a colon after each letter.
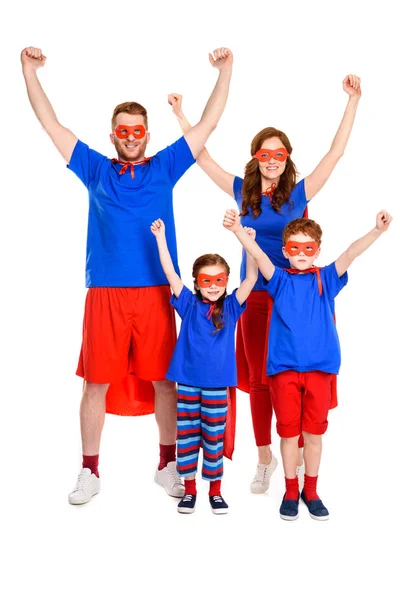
x: 210, y: 286
x: 272, y: 169
x: 307, y: 253
x: 131, y: 148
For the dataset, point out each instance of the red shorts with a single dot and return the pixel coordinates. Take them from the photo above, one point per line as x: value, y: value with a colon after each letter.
x: 301, y: 402
x: 127, y: 330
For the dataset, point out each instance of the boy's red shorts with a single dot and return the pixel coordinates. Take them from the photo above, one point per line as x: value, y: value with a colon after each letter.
x: 127, y: 330
x: 301, y: 402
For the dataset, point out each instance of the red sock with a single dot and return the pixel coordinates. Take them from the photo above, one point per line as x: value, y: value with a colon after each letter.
x: 167, y: 454
x: 292, y: 489
x: 92, y: 463
x: 310, y: 488
x: 190, y: 487
x: 215, y: 488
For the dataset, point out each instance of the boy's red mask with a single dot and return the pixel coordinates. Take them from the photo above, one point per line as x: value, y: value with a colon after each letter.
x: 123, y: 131
x: 205, y: 281
x: 294, y: 248
x: 264, y: 154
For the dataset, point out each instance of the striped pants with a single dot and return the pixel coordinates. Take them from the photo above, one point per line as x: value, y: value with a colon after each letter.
x: 201, y: 422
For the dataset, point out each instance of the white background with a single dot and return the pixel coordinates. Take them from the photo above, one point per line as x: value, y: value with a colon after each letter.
x: 289, y: 62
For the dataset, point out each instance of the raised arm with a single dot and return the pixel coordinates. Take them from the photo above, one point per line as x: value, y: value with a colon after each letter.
x: 383, y: 220
x: 64, y: 140
x: 197, y: 136
x: 220, y: 177
x: 250, y: 280
x: 317, y: 179
x: 232, y: 222
x: 158, y: 229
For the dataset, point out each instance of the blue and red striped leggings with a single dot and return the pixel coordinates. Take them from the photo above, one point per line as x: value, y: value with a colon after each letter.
x: 201, y: 423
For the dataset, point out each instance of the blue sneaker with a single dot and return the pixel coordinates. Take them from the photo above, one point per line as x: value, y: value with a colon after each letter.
x: 187, y: 504
x: 218, y: 505
x: 289, y: 510
x: 316, y: 508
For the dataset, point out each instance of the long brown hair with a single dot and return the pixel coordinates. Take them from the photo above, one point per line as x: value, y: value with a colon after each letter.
x: 252, y: 178
x: 205, y: 261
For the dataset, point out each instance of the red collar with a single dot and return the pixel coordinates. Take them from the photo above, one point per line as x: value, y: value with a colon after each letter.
x: 311, y: 270
x: 211, y: 309
x: 270, y: 191
x: 128, y: 165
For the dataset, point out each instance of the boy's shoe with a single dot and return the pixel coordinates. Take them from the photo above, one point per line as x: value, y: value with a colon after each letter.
x: 260, y: 483
x: 87, y: 485
x: 316, y: 508
x: 300, y: 470
x: 289, y: 510
x: 187, y: 504
x: 218, y: 505
x: 169, y: 479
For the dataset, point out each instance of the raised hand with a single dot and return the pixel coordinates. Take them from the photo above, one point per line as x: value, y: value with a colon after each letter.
x: 231, y: 220
x: 250, y: 232
x: 32, y: 58
x: 221, y: 59
x: 352, y: 85
x: 383, y: 220
x: 158, y: 228
x: 175, y: 100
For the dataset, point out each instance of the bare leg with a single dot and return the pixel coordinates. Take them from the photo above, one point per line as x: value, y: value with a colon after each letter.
x: 92, y: 415
x: 289, y: 451
x: 264, y: 455
x: 165, y: 411
x: 312, y: 453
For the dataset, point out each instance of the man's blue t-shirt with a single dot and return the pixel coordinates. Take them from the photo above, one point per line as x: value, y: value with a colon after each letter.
x: 270, y: 225
x: 204, y: 357
x: 302, y: 334
x: 121, y: 250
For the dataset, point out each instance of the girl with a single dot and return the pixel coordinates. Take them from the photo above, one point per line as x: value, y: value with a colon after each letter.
x: 268, y: 198
x: 203, y: 364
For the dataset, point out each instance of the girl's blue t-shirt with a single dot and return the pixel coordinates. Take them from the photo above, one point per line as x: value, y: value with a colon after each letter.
x: 270, y: 225
x: 121, y: 250
x: 204, y: 357
x: 302, y: 333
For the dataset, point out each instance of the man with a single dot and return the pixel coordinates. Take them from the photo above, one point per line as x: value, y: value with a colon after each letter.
x: 129, y: 328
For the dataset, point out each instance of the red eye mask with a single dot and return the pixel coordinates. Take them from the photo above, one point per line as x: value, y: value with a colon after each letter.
x: 264, y: 154
x: 123, y: 131
x: 205, y: 281
x: 294, y: 248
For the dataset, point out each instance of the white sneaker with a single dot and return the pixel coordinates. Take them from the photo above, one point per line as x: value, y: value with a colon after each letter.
x: 169, y: 479
x: 260, y: 483
x: 87, y: 485
x: 300, y: 470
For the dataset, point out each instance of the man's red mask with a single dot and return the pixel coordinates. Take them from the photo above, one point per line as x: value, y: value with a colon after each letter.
x: 205, y: 281
x: 294, y: 248
x: 123, y: 131
x: 264, y: 154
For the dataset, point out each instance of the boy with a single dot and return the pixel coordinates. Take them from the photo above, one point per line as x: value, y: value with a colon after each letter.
x: 304, y: 349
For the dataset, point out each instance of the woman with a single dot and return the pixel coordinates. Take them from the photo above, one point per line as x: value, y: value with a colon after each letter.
x: 268, y: 198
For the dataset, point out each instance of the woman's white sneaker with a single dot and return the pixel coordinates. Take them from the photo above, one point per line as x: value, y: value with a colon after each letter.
x: 260, y: 483
x: 87, y: 485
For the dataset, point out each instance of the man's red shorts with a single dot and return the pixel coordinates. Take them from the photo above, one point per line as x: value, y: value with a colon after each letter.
x: 127, y: 330
x: 301, y: 402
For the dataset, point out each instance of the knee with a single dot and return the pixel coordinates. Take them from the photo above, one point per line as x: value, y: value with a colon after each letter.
x: 165, y: 387
x: 289, y: 442
x: 94, y: 392
x: 310, y: 439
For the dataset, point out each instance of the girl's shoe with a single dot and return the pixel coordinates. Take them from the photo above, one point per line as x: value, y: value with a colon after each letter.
x: 316, y: 508
x: 218, y: 505
x: 289, y: 510
x: 187, y: 504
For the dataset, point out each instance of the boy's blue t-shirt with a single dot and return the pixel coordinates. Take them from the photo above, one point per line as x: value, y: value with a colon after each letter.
x: 121, y: 250
x: 270, y: 225
x: 202, y: 358
x: 302, y: 334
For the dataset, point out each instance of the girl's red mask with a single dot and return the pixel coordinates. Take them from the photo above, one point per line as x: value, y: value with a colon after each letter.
x: 205, y: 281
x: 294, y: 248
x: 123, y: 131
x: 264, y: 154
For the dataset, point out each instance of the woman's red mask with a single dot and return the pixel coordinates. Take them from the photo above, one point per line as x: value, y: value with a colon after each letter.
x: 205, y: 281
x: 124, y: 131
x: 294, y: 248
x: 264, y: 154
